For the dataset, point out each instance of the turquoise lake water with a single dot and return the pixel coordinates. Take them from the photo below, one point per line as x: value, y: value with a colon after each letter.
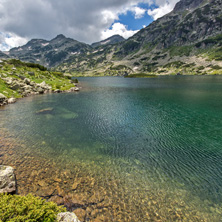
x: 157, y: 136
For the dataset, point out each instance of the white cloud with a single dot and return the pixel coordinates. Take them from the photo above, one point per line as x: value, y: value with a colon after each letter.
x: 10, y: 40
x: 118, y: 28
x: 138, y: 12
x: 83, y: 20
x: 164, y: 7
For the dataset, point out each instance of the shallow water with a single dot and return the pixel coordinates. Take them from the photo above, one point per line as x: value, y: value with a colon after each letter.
x: 122, y: 149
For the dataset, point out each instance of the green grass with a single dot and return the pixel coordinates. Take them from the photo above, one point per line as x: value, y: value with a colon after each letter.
x: 180, y: 50
x: 8, y: 92
x: 56, y: 80
x: 141, y: 75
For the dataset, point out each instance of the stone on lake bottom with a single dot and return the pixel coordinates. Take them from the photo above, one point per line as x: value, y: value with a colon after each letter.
x: 67, y: 217
x: 7, y: 180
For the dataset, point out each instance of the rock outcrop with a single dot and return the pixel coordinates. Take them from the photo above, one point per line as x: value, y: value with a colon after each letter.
x: 7, y: 180
x: 26, y: 86
x: 3, y: 99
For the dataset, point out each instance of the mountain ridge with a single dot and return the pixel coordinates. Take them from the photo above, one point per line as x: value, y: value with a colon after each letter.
x: 109, y: 41
x: 190, y: 34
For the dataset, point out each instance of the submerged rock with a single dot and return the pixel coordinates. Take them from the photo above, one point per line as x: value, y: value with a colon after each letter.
x: 45, y: 111
x: 67, y: 217
x: 7, y: 180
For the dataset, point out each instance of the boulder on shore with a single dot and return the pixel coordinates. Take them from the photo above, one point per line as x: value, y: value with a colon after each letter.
x: 11, y: 100
x: 7, y: 180
x: 3, y: 99
x: 67, y: 217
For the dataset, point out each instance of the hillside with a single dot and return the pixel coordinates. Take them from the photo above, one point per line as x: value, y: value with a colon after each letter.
x: 110, y: 41
x: 186, y: 41
x: 19, y: 79
x: 3, y: 55
x: 49, y: 53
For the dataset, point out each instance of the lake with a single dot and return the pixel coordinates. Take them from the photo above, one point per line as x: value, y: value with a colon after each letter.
x: 146, y: 149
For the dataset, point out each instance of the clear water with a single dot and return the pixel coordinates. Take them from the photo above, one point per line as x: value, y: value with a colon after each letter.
x: 160, y: 138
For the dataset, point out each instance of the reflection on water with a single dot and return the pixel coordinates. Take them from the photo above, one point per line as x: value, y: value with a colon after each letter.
x: 122, y: 149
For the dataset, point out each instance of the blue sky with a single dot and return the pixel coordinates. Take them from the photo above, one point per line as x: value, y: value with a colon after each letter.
x: 84, y: 20
x: 129, y: 20
x: 133, y: 23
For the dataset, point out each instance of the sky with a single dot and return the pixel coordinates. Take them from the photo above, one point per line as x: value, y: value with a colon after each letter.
x: 83, y: 20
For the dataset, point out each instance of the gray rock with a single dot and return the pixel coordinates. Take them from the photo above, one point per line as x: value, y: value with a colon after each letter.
x: 21, y: 77
x: 8, y: 80
x: 3, y: 100
x: 7, y: 180
x: 31, y: 73
x: 43, y: 85
x: 2, y: 97
x: 32, y: 83
x: 67, y: 217
x: 11, y: 100
x: 57, y: 91
x: 27, y: 81
x: 40, y: 90
x: 15, y: 86
x: 45, y: 111
x: 27, y: 88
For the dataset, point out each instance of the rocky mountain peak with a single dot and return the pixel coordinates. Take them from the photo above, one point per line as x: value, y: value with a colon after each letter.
x: 187, y: 5
x: 109, y: 41
x: 60, y: 36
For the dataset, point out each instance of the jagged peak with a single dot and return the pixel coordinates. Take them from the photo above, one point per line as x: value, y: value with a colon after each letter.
x: 187, y: 5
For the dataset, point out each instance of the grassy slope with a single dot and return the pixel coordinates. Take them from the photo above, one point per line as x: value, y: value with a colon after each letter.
x: 15, y: 69
x: 204, y: 57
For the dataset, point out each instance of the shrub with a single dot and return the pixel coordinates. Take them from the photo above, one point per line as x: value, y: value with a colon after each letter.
x: 19, y: 63
x: 130, y: 45
x: 34, y: 65
x: 28, y: 208
x: 74, y: 81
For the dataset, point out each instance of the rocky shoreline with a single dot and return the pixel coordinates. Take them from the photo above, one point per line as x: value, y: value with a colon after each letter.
x: 19, y: 79
x: 8, y: 184
x: 28, y: 88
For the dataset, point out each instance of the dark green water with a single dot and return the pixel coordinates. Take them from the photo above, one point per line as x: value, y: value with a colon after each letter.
x: 156, y: 135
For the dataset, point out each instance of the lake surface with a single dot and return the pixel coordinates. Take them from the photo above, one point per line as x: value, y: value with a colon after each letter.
x: 122, y: 149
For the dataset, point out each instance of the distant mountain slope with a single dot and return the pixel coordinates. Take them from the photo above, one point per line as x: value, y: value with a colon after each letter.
x: 187, y: 40
x: 3, y: 55
x: 190, y: 21
x: 110, y: 41
x: 49, y: 53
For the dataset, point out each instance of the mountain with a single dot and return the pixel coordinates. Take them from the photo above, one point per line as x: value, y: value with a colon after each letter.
x: 3, y: 55
x: 49, y: 53
x: 188, y: 40
x: 110, y: 41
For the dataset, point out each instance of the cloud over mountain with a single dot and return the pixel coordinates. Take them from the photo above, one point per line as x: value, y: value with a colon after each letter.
x: 83, y: 20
